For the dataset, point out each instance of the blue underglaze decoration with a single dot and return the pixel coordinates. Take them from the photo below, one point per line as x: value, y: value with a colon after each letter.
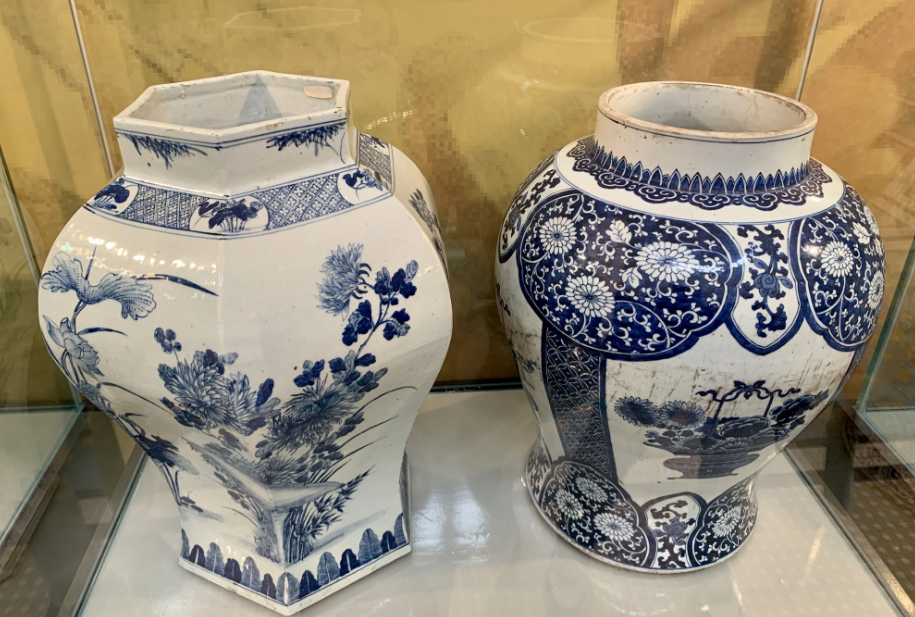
x: 231, y: 215
x: 713, y: 444
x: 114, y: 196
x: 791, y: 187
x: 673, y: 532
x: 79, y: 360
x: 768, y: 266
x: 629, y: 285
x: 304, y: 439
x: 430, y: 217
x: 264, y: 210
x: 537, y: 470
x: 770, y: 278
x: 165, y: 149
x: 724, y: 524
x: 838, y: 263
x: 572, y: 376
x: 672, y: 520
x: 317, y: 136
x: 595, y: 512
x: 287, y: 590
x: 525, y: 198
x: 375, y: 155
x: 345, y: 278
x: 358, y: 180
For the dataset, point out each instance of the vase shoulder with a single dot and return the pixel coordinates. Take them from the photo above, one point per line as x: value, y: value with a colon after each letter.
x: 749, y: 196
x: 236, y: 303
x: 683, y: 292
x: 652, y: 251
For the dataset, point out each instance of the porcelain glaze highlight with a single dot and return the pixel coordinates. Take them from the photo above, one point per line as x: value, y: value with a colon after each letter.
x: 261, y: 301
x: 683, y: 292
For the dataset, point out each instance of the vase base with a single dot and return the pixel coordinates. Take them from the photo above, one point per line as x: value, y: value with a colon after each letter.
x: 316, y: 596
x: 617, y: 564
x: 667, y: 535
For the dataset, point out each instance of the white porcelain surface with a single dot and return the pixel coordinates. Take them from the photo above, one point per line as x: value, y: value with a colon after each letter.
x: 261, y: 301
x: 480, y: 549
x: 683, y: 292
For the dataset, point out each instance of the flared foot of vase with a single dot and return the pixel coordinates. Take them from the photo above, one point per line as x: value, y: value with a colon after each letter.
x: 277, y: 604
x: 680, y: 532
x: 326, y: 566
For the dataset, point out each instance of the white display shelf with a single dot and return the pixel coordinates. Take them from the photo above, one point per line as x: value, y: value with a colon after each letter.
x: 480, y: 548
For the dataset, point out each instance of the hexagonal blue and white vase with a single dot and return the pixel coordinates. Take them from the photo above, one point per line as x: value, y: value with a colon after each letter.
x: 683, y: 291
x: 261, y: 301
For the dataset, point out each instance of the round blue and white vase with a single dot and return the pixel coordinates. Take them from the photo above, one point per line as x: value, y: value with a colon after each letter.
x: 683, y: 291
x: 261, y: 301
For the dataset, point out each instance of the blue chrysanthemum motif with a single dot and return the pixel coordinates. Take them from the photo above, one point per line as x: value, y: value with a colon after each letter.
x: 667, y: 262
x: 594, y: 513
x: 638, y: 411
x: 840, y: 265
x: 630, y: 285
x: 344, y: 279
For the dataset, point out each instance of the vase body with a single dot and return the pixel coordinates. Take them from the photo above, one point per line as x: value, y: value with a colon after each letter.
x: 261, y: 302
x: 683, y: 291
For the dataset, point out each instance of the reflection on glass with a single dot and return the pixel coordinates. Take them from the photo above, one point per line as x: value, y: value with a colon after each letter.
x: 37, y: 406
x: 887, y: 401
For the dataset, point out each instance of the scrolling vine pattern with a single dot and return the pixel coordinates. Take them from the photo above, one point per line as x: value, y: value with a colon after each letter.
x: 529, y: 194
x: 769, y: 274
x: 630, y: 285
x: 838, y: 261
x: 678, y: 531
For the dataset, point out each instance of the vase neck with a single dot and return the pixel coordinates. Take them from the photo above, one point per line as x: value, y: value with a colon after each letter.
x: 234, y: 134
x: 703, y: 133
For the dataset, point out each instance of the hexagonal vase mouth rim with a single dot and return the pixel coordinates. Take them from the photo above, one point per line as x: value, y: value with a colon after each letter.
x: 275, y: 102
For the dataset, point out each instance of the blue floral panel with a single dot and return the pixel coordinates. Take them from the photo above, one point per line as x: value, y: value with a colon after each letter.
x: 838, y: 261
x: 630, y: 285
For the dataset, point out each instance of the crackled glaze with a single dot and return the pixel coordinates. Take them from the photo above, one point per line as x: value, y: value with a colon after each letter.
x: 683, y: 292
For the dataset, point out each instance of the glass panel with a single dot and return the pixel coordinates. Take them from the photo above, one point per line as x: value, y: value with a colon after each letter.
x: 37, y: 406
x: 862, y: 87
x: 63, y: 474
x: 858, y: 456
x: 475, y: 92
x: 47, y: 121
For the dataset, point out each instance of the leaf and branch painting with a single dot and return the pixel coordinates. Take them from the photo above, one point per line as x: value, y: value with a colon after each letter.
x: 279, y: 461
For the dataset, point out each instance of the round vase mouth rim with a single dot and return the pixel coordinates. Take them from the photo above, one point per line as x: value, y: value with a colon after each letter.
x: 806, y: 124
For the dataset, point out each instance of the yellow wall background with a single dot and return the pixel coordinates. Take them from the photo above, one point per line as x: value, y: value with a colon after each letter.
x: 475, y: 92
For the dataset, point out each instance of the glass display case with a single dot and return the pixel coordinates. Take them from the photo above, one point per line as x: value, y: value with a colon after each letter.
x: 476, y: 94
